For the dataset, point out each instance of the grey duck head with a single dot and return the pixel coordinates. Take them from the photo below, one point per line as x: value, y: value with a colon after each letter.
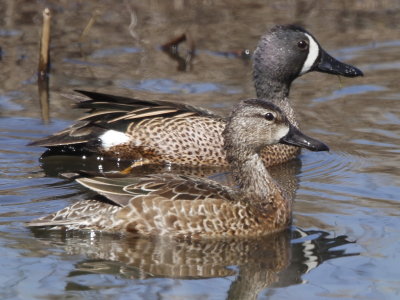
x: 287, y: 52
x: 255, y: 124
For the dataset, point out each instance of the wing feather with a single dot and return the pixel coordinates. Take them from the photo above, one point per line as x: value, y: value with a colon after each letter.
x: 109, y: 112
x: 169, y: 186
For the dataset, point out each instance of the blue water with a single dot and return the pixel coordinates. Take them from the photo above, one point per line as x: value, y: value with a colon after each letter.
x: 344, y: 242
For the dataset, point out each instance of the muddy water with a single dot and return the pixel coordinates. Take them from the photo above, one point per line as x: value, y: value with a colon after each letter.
x: 345, y: 239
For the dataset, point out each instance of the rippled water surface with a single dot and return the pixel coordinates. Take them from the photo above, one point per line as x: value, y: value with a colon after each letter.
x: 344, y: 242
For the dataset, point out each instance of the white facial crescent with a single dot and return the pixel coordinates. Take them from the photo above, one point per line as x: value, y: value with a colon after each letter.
x: 313, y: 53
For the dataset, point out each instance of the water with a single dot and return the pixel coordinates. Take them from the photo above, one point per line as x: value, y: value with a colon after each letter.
x: 344, y: 242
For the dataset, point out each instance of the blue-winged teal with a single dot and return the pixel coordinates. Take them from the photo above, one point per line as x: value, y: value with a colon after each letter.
x: 166, y: 132
x: 184, y: 206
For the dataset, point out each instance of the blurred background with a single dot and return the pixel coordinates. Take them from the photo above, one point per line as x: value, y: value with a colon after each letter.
x: 344, y: 243
x: 115, y: 46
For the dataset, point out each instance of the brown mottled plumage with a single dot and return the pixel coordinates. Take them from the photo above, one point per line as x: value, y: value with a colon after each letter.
x: 185, y: 206
x: 166, y: 132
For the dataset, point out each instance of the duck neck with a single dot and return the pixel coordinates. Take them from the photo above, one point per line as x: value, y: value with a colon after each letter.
x: 268, y: 88
x: 256, y: 186
x: 275, y: 90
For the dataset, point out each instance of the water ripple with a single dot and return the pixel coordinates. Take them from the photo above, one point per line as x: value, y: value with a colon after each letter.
x: 352, y: 52
x: 102, y: 53
x: 168, y: 86
x: 350, y: 90
x: 336, y: 163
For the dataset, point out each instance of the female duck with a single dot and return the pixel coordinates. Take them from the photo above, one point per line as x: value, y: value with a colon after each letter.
x: 165, y: 132
x: 183, y: 206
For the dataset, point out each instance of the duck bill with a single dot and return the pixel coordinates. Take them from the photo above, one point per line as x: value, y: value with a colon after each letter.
x: 330, y: 65
x: 296, y: 138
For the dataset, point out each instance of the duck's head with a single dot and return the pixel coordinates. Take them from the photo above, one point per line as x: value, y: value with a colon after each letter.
x: 256, y: 123
x: 287, y: 52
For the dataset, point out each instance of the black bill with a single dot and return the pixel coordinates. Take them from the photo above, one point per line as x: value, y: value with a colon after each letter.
x: 296, y: 138
x: 327, y: 64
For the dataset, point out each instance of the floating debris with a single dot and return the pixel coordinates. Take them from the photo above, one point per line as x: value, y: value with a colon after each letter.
x: 172, y: 49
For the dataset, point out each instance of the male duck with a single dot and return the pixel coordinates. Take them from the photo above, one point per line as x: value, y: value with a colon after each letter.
x: 193, y: 207
x: 160, y: 132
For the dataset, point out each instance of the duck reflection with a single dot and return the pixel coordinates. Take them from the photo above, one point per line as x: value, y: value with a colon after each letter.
x: 69, y: 166
x: 255, y: 264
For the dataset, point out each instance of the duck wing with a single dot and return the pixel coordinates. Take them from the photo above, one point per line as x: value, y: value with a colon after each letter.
x: 109, y: 112
x: 163, y: 204
x: 161, y: 186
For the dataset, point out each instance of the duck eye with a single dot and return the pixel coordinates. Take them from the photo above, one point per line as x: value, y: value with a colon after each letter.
x: 269, y: 116
x: 303, y: 45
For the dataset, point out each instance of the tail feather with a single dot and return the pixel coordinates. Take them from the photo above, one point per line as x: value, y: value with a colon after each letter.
x: 73, y: 135
x: 89, y: 214
x: 51, y: 223
x: 58, y: 140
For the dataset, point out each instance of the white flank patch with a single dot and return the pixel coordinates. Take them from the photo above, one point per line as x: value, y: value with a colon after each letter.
x: 282, y: 132
x: 113, y: 138
x: 313, y: 53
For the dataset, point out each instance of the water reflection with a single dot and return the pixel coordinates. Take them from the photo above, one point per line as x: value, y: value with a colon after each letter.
x: 354, y: 190
x: 67, y: 166
x: 278, y: 260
